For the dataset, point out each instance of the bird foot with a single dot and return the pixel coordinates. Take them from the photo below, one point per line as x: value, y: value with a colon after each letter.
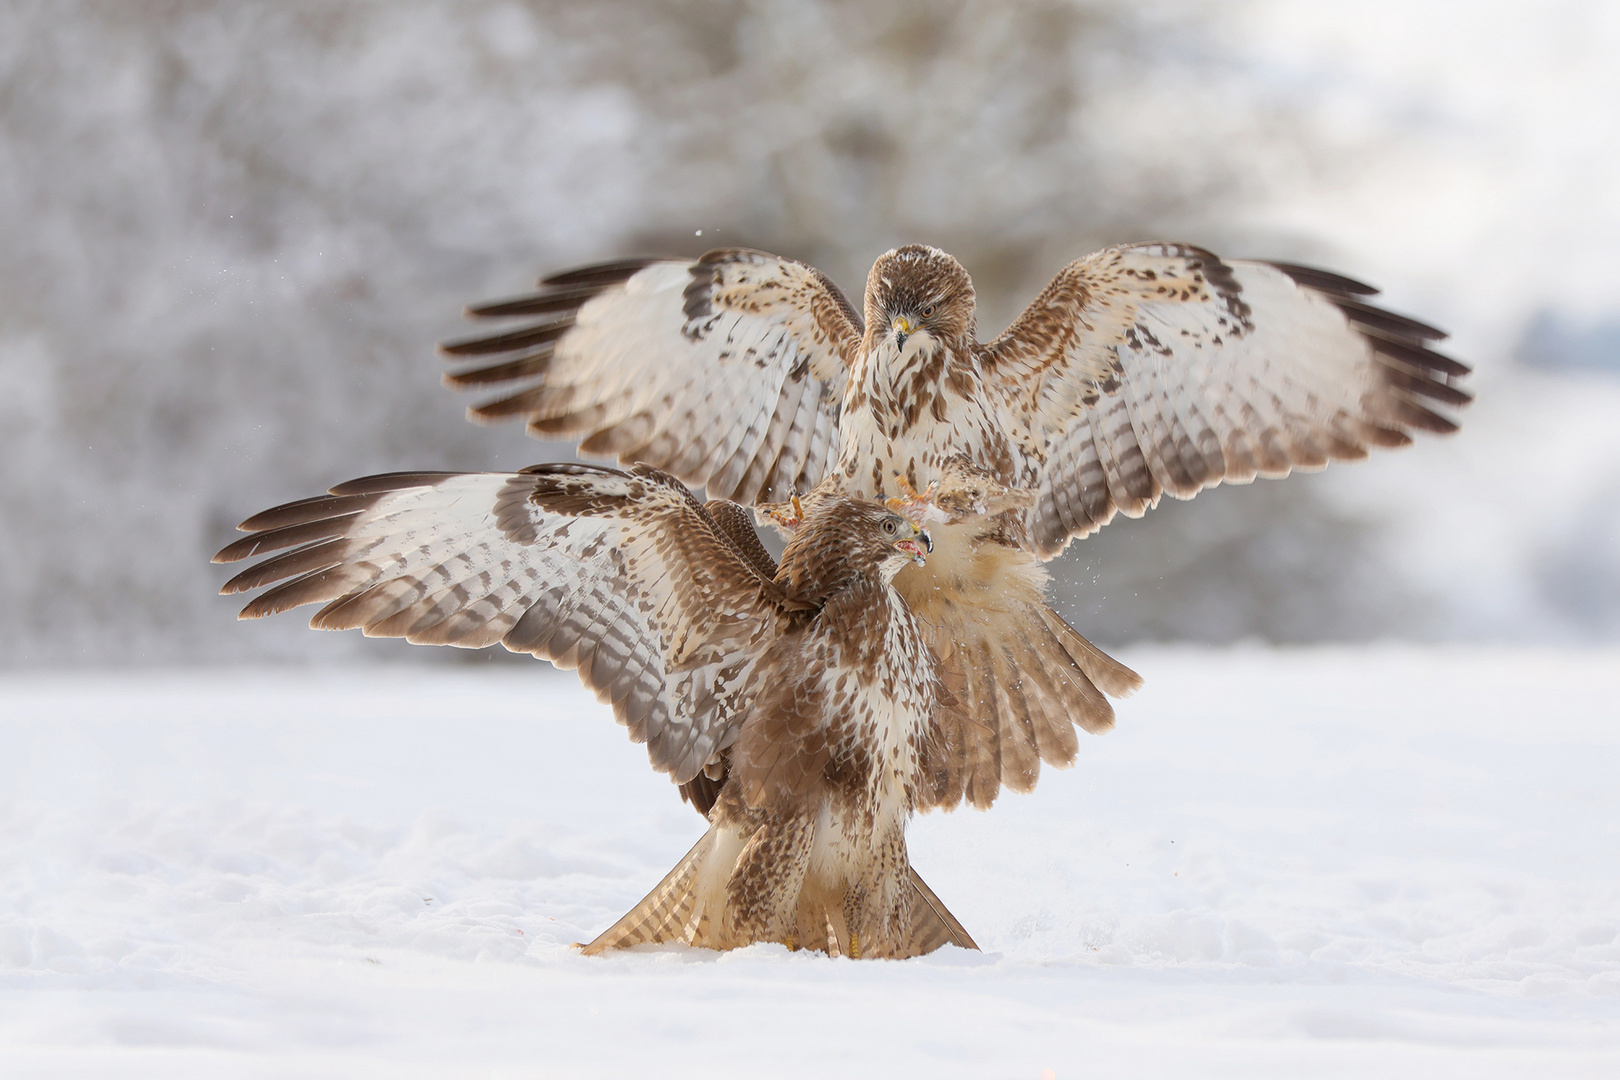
x: 784, y: 517
x: 918, y: 508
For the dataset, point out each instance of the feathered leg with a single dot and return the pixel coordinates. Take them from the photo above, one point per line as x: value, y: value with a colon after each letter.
x: 763, y: 892
x: 877, y: 905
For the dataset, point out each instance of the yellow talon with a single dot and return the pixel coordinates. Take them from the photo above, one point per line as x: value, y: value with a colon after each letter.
x: 854, y: 946
x: 791, y: 942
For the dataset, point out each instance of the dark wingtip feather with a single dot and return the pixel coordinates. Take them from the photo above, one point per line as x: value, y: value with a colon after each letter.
x: 1420, y: 383
x: 382, y: 483
x: 521, y: 403
x: 320, y: 516
x: 1376, y: 318
x: 1324, y: 280
x: 524, y: 366
x: 334, y: 504
x: 1416, y: 356
x: 284, y: 537
x: 1415, y: 415
x: 522, y: 337
x: 327, y: 583
x: 550, y: 299
x: 317, y: 556
x: 601, y: 274
x: 570, y: 468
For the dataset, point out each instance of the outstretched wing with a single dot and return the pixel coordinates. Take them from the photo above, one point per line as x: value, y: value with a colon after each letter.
x: 727, y: 372
x: 622, y: 576
x: 1157, y: 368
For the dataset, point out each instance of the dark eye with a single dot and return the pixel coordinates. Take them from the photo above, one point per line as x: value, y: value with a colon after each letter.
x: 928, y: 312
x: 890, y: 527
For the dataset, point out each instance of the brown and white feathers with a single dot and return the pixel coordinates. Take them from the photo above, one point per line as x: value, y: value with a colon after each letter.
x: 1159, y: 369
x: 620, y: 576
x: 1180, y: 370
x: 1140, y: 370
x: 616, y: 354
x: 799, y: 700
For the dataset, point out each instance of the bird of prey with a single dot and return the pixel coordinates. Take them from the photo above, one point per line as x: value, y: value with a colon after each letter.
x: 798, y: 705
x: 1140, y: 370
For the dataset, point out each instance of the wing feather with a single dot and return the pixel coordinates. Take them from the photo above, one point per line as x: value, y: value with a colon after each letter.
x: 623, y: 576
x: 1157, y: 368
x: 727, y: 371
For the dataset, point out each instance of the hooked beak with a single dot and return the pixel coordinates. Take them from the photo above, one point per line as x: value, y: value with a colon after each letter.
x: 918, y: 545
x: 902, y: 330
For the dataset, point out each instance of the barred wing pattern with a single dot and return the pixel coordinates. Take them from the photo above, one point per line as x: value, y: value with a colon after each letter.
x: 727, y: 371
x: 622, y: 576
x: 1158, y: 368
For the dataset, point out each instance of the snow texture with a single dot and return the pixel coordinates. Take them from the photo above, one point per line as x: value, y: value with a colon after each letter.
x: 1343, y: 862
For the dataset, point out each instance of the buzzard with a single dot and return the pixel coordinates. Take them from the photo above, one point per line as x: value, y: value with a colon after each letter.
x: 798, y: 705
x: 1140, y: 370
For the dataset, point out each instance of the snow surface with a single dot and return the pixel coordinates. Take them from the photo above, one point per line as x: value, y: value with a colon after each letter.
x: 1292, y: 863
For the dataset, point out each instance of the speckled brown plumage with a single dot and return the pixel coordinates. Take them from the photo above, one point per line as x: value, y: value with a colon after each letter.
x: 798, y: 705
x: 1141, y: 370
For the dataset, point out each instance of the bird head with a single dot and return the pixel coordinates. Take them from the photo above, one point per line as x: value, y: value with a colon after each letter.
x: 919, y: 296
x: 844, y: 538
x: 908, y: 538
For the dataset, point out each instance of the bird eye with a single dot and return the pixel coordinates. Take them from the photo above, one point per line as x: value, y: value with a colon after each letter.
x: 928, y: 312
x: 890, y: 527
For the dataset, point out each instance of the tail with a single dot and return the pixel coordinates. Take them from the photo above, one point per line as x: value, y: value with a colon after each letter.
x: 1107, y: 674
x: 1023, y: 680
x: 688, y: 907
x: 931, y: 924
x: 685, y: 907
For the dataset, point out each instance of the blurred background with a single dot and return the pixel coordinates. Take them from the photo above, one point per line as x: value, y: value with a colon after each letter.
x: 231, y: 233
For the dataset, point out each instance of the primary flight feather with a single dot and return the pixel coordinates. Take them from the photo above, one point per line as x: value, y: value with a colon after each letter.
x: 1140, y: 370
x: 797, y: 706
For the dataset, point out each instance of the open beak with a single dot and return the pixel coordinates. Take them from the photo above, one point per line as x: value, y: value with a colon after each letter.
x: 918, y: 545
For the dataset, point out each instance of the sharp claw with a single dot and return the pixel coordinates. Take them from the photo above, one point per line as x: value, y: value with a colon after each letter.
x: 916, y: 508
x: 904, y: 484
x: 786, y: 518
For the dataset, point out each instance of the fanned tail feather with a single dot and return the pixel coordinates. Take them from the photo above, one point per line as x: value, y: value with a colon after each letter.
x: 932, y: 924
x: 688, y: 908
x: 678, y: 908
x: 1107, y: 674
x: 1024, y: 679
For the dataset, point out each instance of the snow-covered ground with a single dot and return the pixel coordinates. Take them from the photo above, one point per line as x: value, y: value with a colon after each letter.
x: 1295, y: 863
